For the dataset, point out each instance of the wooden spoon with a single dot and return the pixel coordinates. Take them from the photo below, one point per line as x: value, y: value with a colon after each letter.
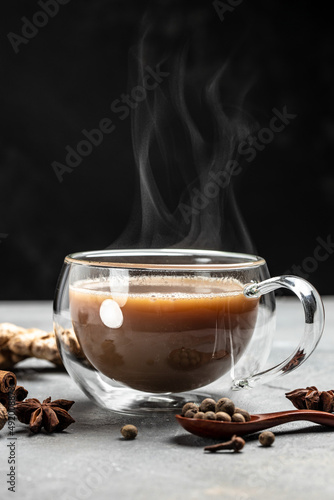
x: 216, y: 429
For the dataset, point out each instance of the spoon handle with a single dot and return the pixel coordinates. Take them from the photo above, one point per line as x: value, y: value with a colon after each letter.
x: 267, y: 420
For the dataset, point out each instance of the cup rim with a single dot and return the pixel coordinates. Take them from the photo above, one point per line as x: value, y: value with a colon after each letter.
x: 93, y: 259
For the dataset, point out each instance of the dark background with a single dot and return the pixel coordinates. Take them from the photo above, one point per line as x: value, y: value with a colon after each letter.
x: 64, y: 80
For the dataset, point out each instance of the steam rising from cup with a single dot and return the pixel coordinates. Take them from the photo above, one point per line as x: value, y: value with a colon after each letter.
x: 185, y: 139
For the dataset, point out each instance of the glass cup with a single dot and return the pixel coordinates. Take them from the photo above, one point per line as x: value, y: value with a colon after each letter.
x: 147, y: 330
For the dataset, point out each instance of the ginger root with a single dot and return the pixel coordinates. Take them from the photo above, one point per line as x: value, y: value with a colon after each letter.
x: 17, y: 343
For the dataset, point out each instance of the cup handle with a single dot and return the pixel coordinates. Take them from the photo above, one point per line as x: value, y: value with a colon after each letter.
x: 313, y: 328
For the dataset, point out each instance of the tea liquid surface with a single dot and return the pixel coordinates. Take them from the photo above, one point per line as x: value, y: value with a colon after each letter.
x: 171, y: 334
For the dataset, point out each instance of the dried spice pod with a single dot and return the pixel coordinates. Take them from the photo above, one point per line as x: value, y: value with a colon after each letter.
x: 7, y: 381
x: 52, y: 415
x: 297, y: 398
x: 312, y: 399
x: 327, y: 401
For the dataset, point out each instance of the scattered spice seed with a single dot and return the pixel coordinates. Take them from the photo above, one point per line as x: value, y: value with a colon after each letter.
x: 129, y: 431
x: 266, y: 438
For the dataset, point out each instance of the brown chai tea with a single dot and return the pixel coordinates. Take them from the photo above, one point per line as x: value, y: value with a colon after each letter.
x: 164, y: 333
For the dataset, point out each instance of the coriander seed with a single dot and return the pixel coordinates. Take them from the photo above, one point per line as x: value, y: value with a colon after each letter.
x: 129, y: 431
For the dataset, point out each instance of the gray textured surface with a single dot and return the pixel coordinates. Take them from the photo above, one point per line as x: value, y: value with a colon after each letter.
x: 90, y: 460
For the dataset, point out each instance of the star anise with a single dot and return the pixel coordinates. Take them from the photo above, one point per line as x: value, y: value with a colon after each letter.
x: 52, y: 415
x: 312, y: 399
